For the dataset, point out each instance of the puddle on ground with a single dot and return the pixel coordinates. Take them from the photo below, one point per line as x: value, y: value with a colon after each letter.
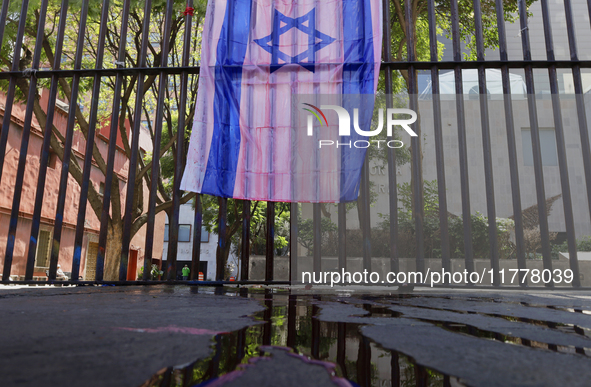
x: 289, y: 322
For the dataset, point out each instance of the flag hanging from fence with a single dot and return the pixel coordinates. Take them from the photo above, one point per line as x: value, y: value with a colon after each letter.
x: 249, y: 139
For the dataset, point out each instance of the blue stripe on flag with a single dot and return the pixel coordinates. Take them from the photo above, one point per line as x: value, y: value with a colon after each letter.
x: 358, y: 78
x: 220, y: 174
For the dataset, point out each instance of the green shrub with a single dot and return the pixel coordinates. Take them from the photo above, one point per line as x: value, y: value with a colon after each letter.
x: 432, y: 231
x: 583, y: 244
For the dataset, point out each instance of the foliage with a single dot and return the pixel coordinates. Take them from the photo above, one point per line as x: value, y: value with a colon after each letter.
x: 397, y: 23
x: 583, y: 244
x: 480, y: 237
x: 258, y: 227
x: 306, y: 233
x: 258, y: 223
x: 420, y: 28
x: 129, y: 93
x: 532, y: 241
x: 432, y: 232
x: 155, y: 273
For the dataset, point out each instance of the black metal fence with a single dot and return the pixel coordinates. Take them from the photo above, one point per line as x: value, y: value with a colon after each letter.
x: 82, y: 82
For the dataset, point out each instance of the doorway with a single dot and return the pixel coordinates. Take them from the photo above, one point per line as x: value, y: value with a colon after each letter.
x: 90, y: 265
x: 132, y: 265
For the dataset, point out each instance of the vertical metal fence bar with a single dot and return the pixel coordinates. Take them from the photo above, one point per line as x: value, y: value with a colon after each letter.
x: 24, y: 146
x: 317, y: 230
x: 511, y: 146
x: 246, y: 205
x: 315, y: 345
x: 240, y: 347
x: 173, y: 224
x: 486, y: 144
x: 580, y: 98
x: 155, y: 171
x: 438, y: 131
x: 267, y: 314
x: 364, y: 363
x: 196, y: 253
x: 270, y: 241
x: 100, y: 260
x: 416, y: 162
x: 7, y: 117
x: 223, y: 223
x: 342, y: 347
x: 535, y: 138
x: 421, y: 376
x: 270, y: 226
x: 342, y: 226
x: 43, y: 160
x: 294, y: 206
x: 135, y: 140
x: 391, y: 155
x: 245, y: 248
x: 293, y: 241
x: 365, y: 219
x: 292, y: 311
x: 63, y: 188
x: 394, y: 369
x: 464, y: 176
x: 561, y: 148
x: 3, y: 16
x: 364, y: 202
x: 88, y: 155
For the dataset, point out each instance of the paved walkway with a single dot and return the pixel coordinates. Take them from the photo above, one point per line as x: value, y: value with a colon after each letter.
x: 107, y: 336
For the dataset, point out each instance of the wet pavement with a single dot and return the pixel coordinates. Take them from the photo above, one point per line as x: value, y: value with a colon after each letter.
x: 181, y: 336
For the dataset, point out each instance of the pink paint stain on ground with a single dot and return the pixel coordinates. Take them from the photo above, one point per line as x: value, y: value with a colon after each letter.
x: 172, y: 329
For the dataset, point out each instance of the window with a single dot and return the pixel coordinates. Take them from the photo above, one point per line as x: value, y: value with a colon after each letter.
x: 43, y: 249
x: 548, y: 145
x: 204, y: 235
x: 101, y: 189
x: 184, y: 233
x: 52, y: 162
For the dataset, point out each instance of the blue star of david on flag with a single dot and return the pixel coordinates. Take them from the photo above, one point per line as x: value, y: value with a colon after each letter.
x: 316, y: 40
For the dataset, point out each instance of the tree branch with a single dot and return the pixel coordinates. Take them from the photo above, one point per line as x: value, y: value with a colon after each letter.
x: 141, y: 220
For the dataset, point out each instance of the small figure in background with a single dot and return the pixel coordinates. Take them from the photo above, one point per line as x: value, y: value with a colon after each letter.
x: 60, y: 275
x: 186, y: 272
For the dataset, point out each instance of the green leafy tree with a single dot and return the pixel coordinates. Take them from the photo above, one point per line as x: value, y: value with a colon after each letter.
x: 583, y: 245
x: 258, y: 225
x: 128, y: 93
x: 432, y: 232
x: 419, y: 30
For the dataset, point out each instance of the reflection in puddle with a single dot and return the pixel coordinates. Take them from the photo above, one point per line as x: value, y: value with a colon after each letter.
x: 289, y: 322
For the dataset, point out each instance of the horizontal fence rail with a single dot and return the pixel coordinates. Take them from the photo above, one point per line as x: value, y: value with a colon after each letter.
x: 98, y: 102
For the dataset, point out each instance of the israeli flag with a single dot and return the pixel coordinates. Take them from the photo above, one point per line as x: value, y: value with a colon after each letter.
x: 249, y: 140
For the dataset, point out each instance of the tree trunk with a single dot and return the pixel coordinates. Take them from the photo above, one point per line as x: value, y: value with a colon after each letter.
x: 222, y: 256
x: 113, y: 256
